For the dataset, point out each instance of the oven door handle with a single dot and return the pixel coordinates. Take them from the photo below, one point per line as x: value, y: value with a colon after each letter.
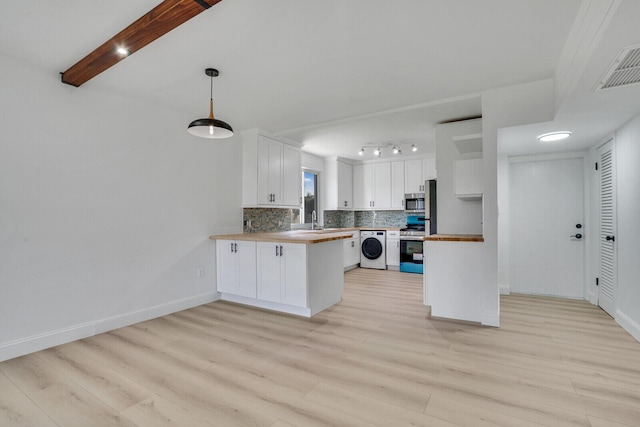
x: 413, y: 238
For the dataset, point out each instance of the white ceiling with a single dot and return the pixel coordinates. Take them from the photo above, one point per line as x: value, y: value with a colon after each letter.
x: 336, y: 75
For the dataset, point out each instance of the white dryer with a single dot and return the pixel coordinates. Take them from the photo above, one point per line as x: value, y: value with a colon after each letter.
x: 372, y: 253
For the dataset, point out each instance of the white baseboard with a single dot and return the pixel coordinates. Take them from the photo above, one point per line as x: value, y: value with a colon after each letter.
x: 20, y: 347
x: 275, y: 306
x: 17, y: 348
x: 490, y: 319
x: 628, y: 324
x: 115, y: 322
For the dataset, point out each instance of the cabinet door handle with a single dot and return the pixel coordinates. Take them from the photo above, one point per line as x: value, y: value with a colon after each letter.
x: 235, y: 247
x: 280, y: 250
x: 345, y: 204
x: 277, y: 254
x: 353, y: 244
x: 231, y: 247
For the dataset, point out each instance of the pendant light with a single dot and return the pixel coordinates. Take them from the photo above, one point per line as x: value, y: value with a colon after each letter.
x: 210, y: 127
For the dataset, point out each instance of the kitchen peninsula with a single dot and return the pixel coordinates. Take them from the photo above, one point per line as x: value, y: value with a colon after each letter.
x: 296, y: 272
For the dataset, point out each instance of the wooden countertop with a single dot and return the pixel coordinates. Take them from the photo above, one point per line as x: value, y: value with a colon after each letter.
x: 308, y: 237
x: 454, y: 238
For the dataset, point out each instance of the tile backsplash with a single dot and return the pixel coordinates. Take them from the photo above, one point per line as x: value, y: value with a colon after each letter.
x: 262, y: 220
x: 338, y: 219
x: 344, y: 219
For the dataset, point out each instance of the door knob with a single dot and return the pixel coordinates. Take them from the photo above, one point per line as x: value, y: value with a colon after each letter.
x: 610, y: 238
x: 577, y: 236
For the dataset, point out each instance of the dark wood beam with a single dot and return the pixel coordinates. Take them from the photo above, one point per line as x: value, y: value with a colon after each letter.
x: 158, y: 21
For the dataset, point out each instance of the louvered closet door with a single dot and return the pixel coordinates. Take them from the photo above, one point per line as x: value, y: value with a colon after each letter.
x: 608, y: 264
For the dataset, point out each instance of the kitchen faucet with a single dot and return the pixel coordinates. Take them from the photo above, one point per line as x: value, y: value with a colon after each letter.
x: 314, y: 219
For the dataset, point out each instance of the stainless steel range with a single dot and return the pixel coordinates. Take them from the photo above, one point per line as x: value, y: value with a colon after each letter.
x: 411, y: 244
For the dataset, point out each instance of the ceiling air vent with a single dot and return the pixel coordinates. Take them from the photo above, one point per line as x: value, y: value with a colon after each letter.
x: 625, y: 70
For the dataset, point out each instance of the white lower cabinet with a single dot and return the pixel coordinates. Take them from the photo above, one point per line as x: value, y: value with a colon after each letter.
x: 352, y: 251
x: 393, y: 250
x: 236, y: 267
x: 282, y: 273
x: 295, y: 278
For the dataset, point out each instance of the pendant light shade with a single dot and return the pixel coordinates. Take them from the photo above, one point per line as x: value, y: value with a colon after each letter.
x: 210, y: 127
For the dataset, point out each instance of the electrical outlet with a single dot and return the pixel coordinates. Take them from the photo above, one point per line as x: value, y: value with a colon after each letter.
x: 200, y: 273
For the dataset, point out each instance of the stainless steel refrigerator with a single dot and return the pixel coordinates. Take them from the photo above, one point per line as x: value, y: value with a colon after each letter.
x: 430, y: 205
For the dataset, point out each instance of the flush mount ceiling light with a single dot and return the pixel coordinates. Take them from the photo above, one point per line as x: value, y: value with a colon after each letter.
x: 554, y: 136
x: 210, y: 127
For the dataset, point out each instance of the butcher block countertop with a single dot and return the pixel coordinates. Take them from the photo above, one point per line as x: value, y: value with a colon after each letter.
x: 454, y: 238
x: 308, y: 237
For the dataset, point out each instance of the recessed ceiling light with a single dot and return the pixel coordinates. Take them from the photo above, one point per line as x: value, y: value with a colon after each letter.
x: 122, y: 51
x: 554, y: 136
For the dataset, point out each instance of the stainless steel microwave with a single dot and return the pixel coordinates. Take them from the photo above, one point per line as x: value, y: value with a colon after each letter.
x: 414, y: 202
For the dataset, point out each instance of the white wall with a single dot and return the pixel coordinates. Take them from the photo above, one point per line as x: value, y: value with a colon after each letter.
x: 501, y: 108
x: 627, y: 144
x: 106, y: 205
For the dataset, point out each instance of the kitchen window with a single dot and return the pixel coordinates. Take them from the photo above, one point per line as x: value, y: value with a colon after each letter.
x: 309, y: 209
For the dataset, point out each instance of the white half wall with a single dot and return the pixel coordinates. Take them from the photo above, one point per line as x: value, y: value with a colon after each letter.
x: 106, y: 205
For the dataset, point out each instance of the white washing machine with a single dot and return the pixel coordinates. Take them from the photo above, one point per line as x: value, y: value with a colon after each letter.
x: 372, y: 249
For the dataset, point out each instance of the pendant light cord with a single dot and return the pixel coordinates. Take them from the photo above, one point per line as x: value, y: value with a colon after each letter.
x: 211, y: 100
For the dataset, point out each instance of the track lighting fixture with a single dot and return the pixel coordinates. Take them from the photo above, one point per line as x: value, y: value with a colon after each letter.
x: 396, y: 149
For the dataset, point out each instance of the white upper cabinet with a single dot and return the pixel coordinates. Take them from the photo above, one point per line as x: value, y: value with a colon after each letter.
x: 291, y: 176
x: 372, y: 186
x: 362, y: 186
x: 468, y: 181
x: 416, y: 172
x: 382, y: 185
x: 397, y: 185
x: 338, y: 184
x: 413, y: 181
x: 271, y: 172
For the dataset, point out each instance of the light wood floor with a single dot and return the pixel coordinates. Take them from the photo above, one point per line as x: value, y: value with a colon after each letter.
x: 374, y: 359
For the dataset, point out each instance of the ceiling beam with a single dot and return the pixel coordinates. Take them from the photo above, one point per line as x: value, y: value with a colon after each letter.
x: 158, y: 21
